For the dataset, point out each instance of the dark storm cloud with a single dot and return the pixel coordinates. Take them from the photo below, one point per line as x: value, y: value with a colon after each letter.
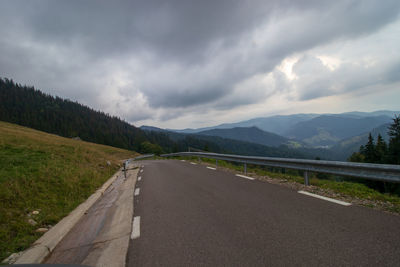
x: 175, y: 29
x: 185, y: 53
x: 317, y: 80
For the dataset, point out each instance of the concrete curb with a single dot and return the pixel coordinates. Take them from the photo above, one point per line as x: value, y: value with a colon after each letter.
x: 42, y: 247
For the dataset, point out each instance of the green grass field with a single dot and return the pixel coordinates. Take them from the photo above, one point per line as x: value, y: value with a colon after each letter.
x: 46, y: 173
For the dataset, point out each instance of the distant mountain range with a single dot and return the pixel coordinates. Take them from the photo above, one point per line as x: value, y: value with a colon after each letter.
x: 241, y: 140
x: 335, y: 136
x: 327, y: 130
x: 275, y: 124
x: 248, y: 134
x: 281, y: 124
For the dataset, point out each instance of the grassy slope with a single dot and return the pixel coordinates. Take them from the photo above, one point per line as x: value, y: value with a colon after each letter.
x: 49, y: 173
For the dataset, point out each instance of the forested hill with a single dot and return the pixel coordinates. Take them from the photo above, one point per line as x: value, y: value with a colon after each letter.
x: 30, y: 107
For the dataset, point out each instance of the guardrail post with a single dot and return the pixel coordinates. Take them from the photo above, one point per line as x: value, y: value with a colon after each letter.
x: 216, y: 163
x: 199, y: 159
x: 245, y: 169
x: 306, y: 181
x: 125, y: 169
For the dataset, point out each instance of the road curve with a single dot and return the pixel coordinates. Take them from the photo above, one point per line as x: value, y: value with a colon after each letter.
x: 192, y: 215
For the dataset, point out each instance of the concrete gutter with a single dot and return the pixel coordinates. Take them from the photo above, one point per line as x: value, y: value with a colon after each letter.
x: 110, y: 247
x: 42, y: 247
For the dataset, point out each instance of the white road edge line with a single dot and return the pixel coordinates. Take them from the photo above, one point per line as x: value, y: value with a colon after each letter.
x: 135, y: 227
x: 193, y: 163
x: 211, y: 168
x: 325, y: 198
x: 137, y: 191
x: 139, y: 178
x: 244, y: 176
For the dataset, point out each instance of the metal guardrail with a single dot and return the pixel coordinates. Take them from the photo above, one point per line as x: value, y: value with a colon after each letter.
x: 144, y: 156
x: 378, y: 172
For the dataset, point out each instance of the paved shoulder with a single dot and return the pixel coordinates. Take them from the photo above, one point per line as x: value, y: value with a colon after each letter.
x: 101, y: 237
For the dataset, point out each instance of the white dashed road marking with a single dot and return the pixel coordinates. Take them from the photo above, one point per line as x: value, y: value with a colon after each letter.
x: 141, y: 170
x: 135, y: 228
x: 211, y: 168
x: 139, y: 178
x: 244, y: 176
x: 325, y: 198
x: 183, y: 160
x: 137, y: 191
x: 193, y: 163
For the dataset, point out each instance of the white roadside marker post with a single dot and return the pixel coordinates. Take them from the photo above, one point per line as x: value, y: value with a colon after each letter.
x: 306, y: 180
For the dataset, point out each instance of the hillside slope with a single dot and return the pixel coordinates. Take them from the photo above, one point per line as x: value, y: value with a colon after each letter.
x: 219, y: 144
x: 328, y: 129
x: 248, y: 134
x: 346, y: 147
x: 29, y: 107
x: 46, y: 173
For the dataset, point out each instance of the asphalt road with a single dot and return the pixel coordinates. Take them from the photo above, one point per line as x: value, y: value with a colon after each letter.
x: 194, y: 216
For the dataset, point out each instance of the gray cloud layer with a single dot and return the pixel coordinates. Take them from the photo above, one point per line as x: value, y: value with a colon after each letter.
x: 134, y: 58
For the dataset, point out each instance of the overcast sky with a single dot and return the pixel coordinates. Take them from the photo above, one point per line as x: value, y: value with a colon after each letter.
x: 181, y: 64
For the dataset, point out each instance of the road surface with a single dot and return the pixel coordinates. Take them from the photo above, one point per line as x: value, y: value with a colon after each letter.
x: 191, y: 215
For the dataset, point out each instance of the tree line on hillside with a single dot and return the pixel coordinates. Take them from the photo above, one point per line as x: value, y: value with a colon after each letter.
x: 30, y: 107
x: 382, y: 153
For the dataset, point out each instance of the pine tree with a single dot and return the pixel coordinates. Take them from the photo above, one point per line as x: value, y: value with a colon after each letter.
x: 394, y: 142
x: 369, y: 150
x: 380, y: 150
x: 356, y: 157
x: 362, y: 150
